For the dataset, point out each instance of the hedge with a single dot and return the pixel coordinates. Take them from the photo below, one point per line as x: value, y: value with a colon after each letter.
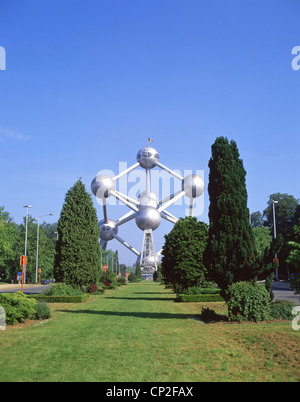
x: 61, y: 299
x: 199, y: 298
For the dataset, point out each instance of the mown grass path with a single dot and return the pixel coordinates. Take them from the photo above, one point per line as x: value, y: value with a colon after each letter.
x: 138, y: 333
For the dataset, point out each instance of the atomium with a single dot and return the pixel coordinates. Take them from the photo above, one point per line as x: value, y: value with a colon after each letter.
x: 147, y: 210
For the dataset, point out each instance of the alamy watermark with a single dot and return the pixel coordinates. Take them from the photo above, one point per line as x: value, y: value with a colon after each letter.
x: 296, y: 59
x: 2, y: 58
x: 2, y: 319
x: 295, y: 321
x: 162, y: 183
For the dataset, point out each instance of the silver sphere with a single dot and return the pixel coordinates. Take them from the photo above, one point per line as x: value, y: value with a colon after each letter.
x: 193, y: 185
x: 147, y: 218
x: 108, y: 229
x: 147, y: 157
x: 151, y: 200
x: 102, y: 185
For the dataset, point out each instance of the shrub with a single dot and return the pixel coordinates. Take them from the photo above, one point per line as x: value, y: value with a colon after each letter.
x: 60, y: 299
x: 132, y: 277
x: 247, y: 301
x: 281, y: 309
x: 61, y: 289
x: 121, y: 280
x: 42, y: 311
x: 199, y: 298
x: 93, y: 288
x: 195, y: 290
x: 18, y: 307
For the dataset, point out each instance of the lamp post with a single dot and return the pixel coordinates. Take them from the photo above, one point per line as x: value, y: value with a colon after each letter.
x: 26, y: 225
x: 37, y: 245
x: 274, y: 224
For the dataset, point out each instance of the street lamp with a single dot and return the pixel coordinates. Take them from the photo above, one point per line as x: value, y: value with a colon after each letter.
x: 274, y: 224
x: 26, y: 206
x: 37, y: 245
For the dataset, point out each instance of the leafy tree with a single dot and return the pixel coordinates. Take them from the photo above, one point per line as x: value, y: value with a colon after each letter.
x: 78, y: 253
x: 182, y: 263
x: 9, y: 246
x: 231, y: 251
x: 256, y: 219
x: 262, y: 238
x: 138, y: 271
x: 284, y: 213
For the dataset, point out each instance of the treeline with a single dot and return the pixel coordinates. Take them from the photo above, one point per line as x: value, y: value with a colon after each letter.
x: 12, y: 246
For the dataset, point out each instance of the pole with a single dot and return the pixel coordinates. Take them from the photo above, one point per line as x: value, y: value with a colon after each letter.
x: 274, y: 224
x: 26, y: 230
x: 37, y: 251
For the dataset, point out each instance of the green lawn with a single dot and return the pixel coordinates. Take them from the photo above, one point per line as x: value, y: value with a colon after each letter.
x: 138, y: 333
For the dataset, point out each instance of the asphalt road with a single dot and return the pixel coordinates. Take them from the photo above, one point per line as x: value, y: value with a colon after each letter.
x: 27, y: 290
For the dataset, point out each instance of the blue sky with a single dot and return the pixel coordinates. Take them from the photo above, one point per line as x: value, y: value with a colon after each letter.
x: 87, y: 82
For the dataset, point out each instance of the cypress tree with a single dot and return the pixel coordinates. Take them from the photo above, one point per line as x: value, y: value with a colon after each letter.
x: 78, y: 252
x: 230, y: 252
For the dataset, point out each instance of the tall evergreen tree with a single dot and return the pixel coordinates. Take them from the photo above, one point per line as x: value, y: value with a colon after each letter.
x: 231, y: 251
x: 78, y: 253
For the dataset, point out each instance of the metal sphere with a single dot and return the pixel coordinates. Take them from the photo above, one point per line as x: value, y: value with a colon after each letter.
x: 102, y: 185
x: 193, y: 185
x: 147, y: 157
x: 108, y: 229
x: 151, y: 200
x: 147, y: 218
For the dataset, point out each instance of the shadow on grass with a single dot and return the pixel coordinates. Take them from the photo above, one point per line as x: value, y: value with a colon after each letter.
x: 131, y: 314
x: 208, y: 317
x: 141, y: 298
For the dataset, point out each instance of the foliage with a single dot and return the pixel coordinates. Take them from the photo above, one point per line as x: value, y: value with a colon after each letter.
x: 230, y: 251
x: 247, y: 301
x: 182, y: 263
x: 262, y: 238
x: 60, y: 299
x: 17, y: 306
x: 93, y: 288
x: 121, y: 280
x: 281, y: 309
x: 12, y: 240
x: 196, y: 290
x: 295, y: 283
x: 78, y: 252
x: 138, y: 271
x: 133, y: 278
x: 199, y: 298
x: 256, y: 219
x: 62, y: 289
x: 157, y: 275
x: 42, y: 311
x: 294, y: 256
x: 284, y: 212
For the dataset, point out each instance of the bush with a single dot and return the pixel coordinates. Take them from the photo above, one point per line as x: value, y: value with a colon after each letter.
x: 92, y: 288
x: 61, y: 289
x: 121, y: 281
x: 18, y: 307
x: 195, y: 290
x: 199, y: 298
x: 60, y: 299
x: 281, y: 309
x: 247, y: 301
x: 133, y: 278
x: 42, y: 311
